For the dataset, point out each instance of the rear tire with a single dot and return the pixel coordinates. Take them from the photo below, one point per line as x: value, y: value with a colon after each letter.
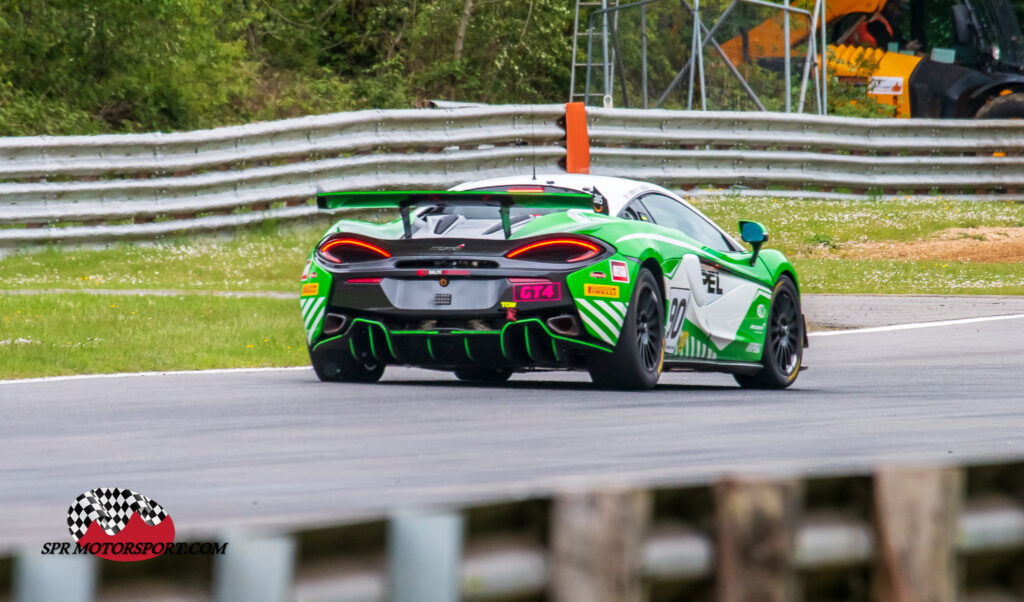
x: 783, y: 344
x: 341, y: 367
x: 636, y: 362
x: 483, y: 375
x: 1008, y: 106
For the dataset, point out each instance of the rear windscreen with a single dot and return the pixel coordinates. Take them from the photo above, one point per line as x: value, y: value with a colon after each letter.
x: 492, y: 212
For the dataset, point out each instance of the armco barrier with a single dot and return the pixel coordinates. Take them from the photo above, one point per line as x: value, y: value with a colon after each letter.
x: 84, y: 188
x: 974, y: 159
x: 112, y: 187
x: 913, y: 533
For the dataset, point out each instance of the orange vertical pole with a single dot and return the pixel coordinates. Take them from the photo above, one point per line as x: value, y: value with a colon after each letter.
x: 577, y: 142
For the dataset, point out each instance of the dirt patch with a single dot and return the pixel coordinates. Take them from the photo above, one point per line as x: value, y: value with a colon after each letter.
x: 983, y: 245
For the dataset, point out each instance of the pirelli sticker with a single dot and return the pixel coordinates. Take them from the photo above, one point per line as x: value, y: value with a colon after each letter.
x: 601, y: 290
x: 311, y: 289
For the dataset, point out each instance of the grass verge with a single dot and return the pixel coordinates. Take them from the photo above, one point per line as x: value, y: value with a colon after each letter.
x: 268, y: 258
x: 82, y: 334
x: 75, y: 333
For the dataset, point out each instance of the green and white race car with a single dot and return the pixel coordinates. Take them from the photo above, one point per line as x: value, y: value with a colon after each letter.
x: 618, y: 277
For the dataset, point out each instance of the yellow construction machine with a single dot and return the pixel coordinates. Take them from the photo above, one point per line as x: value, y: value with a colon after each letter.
x: 980, y: 74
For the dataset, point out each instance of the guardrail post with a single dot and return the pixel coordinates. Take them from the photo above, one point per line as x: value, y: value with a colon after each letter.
x: 917, y: 511
x: 54, y: 578
x: 597, y: 545
x: 255, y: 569
x: 425, y: 557
x: 757, y: 524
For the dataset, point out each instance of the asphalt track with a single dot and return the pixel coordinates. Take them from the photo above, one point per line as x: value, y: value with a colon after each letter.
x: 228, y: 450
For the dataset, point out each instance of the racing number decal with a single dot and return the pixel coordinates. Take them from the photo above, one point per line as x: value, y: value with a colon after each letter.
x: 674, y: 320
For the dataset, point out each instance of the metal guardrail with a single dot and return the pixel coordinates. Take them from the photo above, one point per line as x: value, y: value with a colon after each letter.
x: 913, y: 529
x: 83, y: 185
x: 957, y: 158
x: 113, y: 187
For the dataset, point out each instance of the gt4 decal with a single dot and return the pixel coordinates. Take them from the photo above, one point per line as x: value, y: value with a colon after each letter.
x: 620, y: 271
x: 546, y: 291
x: 601, y: 290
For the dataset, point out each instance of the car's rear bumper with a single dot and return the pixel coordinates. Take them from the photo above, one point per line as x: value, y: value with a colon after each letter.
x: 449, y: 318
x: 520, y: 344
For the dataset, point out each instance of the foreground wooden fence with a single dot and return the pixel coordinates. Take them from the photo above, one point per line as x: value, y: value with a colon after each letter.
x: 895, y: 535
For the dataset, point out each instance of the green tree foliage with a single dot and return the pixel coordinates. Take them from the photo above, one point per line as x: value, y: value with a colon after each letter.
x: 95, y: 66
x: 116, y: 65
x: 68, y: 66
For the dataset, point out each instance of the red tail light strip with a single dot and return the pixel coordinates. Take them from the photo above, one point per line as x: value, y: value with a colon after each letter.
x: 326, y: 249
x: 588, y: 249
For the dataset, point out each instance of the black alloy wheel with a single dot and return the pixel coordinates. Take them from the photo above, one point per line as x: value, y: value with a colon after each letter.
x: 784, y: 341
x: 637, y: 359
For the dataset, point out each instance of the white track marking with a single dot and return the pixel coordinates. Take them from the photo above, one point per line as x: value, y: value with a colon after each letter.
x: 826, y: 333
x: 916, y: 325
x: 47, y: 379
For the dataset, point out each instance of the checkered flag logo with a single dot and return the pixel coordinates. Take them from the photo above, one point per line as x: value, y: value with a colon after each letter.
x: 113, y: 507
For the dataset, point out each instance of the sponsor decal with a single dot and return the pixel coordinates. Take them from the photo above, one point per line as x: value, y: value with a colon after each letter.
x: 307, y: 273
x: 123, y: 525
x: 508, y: 304
x: 422, y: 273
x: 711, y: 281
x: 885, y: 85
x: 598, y: 275
x: 762, y: 311
x: 620, y: 271
x: 601, y: 290
x: 544, y: 291
x: 311, y: 289
x: 443, y: 282
x: 448, y: 248
x: 754, y: 348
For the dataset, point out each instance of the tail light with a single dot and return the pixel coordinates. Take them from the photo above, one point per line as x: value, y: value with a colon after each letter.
x: 343, y: 250
x: 556, y: 250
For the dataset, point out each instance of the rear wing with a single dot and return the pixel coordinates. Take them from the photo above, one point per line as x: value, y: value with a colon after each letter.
x: 502, y: 200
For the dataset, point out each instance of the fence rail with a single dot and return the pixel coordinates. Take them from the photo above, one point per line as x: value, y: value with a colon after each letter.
x: 971, y: 159
x: 111, y: 187
x: 900, y: 533
x: 77, y: 188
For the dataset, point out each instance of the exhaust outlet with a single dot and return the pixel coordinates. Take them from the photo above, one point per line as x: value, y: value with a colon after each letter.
x: 334, y: 323
x: 564, y: 325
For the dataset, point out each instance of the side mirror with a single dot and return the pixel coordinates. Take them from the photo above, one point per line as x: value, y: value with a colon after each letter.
x: 754, y: 234
x: 962, y: 24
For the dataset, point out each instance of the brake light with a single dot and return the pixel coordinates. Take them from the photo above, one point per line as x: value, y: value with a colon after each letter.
x: 567, y: 250
x: 525, y: 190
x: 339, y: 250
